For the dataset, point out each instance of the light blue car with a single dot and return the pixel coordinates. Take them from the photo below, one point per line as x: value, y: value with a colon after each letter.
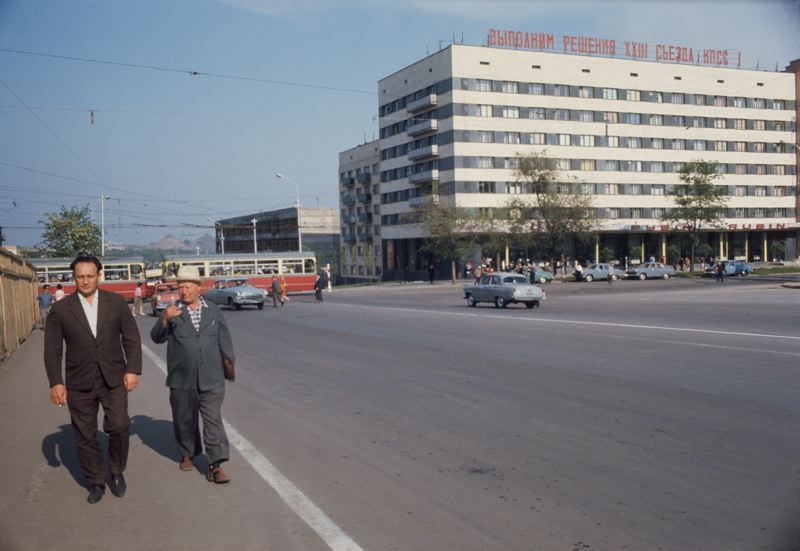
x: 598, y: 271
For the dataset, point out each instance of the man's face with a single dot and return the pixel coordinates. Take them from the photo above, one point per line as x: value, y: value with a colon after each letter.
x: 189, y: 291
x: 86, y: 276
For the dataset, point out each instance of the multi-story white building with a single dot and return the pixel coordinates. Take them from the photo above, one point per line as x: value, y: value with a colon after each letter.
x: 453, y: 124
x: 359, y: 198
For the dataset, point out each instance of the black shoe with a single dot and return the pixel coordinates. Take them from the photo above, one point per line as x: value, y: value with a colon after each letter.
x: 95, y: 493
x: 117, y: 485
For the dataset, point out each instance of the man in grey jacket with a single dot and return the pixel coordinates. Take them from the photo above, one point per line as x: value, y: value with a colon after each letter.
x: 198, y: 346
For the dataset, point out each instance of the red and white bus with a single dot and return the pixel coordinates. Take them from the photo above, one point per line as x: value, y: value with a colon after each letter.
x: 299, y: 268
x: 119, y: 275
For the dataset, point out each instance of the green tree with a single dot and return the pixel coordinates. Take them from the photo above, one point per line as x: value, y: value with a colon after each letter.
x: 698, y: 201
x: 559, y: 213
x: 607, y: 254
x: 71, y: 231
x: 778, y: 250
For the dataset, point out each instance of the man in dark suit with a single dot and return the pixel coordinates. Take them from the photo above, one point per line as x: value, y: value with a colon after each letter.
x: 103, y: 364
x: 199, y: 359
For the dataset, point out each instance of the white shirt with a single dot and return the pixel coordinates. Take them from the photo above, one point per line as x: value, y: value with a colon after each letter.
x: 59, y: 294
x: 90, y: 310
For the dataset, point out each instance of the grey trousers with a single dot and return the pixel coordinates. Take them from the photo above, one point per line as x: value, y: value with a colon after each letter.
x: 187, y: 408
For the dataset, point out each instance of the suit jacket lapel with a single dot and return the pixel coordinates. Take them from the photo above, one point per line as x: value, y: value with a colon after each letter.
x: 76, y: 308
x: 205, y: 319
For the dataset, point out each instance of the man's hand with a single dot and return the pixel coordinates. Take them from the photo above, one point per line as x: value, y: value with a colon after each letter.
x: 172, y: 311
x: 58, y: 395
x: 130, y: 380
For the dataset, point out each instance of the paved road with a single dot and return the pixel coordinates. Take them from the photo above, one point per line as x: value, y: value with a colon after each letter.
x: 641, y: 415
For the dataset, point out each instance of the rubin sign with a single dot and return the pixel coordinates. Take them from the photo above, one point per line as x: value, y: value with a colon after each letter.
x: 608, y: 47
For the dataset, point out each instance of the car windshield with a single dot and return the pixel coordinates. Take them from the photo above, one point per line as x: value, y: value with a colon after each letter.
x: 515, y: 280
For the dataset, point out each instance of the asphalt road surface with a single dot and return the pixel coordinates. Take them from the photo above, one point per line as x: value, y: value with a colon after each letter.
x: 639, y: 415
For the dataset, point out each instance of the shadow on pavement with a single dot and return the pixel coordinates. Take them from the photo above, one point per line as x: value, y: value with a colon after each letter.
x: 156, y: 434
x: 59, y: 449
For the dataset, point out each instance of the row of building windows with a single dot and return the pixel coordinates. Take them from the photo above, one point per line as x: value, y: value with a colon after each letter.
x: 634, y: 214
x: 583, y: 140
x: 587, y: 92
x: 584, y: 165
x: 522, y: 188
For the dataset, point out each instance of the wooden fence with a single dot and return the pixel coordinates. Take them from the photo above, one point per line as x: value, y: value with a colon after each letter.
x: 19, y: 312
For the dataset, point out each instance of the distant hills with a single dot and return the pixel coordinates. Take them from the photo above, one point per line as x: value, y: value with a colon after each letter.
x: 172, y: 243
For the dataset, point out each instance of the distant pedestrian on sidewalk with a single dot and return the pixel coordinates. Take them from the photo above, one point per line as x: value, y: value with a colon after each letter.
x: 431, y: 271
x: 45, y: 300
x: 199, y: 359
x: 276, y: 292
x: 103, y: 364
x: 319, y: 285
x: 720, y: 272
x: 59, y: 292
x: 284, y: 292
x: 137, y: 300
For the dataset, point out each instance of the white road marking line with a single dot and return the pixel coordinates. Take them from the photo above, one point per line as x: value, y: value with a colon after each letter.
x: 577, y: 322
x: 330, y: 533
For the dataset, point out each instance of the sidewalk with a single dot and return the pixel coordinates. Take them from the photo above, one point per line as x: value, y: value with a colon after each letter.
x: 43, y: 503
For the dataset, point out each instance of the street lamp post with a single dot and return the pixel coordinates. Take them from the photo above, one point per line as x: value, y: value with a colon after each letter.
x: 255, y: 239
x: 297, y: 205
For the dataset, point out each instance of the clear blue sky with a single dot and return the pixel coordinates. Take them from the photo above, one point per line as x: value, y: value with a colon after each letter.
x: 209, y: 147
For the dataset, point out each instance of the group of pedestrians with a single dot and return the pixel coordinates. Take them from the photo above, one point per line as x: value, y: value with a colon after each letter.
x: 93, y: 358
x: 46, y: 299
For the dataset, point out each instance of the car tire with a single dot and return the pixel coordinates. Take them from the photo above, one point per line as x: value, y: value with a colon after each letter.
x: 542, y: 280
x: 642, y: 277
x: 237, y: 305
x: 614, y: 277
x: 230, y: 302
x: 588, y: 278
x: 665, y: 276
x: 500, y: 302
x: 530, y: 305
x: 471, y: 300
x: 260, y: 305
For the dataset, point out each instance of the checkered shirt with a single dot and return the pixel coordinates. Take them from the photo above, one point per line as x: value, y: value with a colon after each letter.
x: 197, y: 313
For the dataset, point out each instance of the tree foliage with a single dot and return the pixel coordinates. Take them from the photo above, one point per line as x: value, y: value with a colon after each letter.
x: 71, y: 231
x: 698, y: 202
x: 559, y: 212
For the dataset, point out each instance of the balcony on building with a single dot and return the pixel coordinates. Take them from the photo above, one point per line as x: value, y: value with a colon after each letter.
x: 347, y: 181
x: 364, y: 178
x: 348, y: 219
x: 364, y: 197
x: 365, y: 217
x: 364, y: 236
x: 423, y: 127
x: 348, y: 200
x: 423, y: 152
x: 420, y: 104
x: 424, y: 177
x: 350, y: 238
x: 420, y: 200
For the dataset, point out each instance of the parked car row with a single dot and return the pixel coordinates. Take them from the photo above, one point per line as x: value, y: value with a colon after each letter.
x: 732, y: 268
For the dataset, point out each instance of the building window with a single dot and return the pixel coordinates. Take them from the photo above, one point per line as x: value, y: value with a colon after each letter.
x: 632, y: 95
x: 656, y: 120
x: 635, y: 189
x: 739, y: 147
x: 631, y: 166
x: 484, y: 85
x: 514, y: 188
x: 612, y: 189
x: 609, y: 93
x: 536, y: 89
x: 740, y: 212
x: 485, y: 136
x: 720, y: 146
x: 777, y: 104
x: 699, y: 99
x: 657, y: 213
x: 486, y: 187
x: 511, y: 137
x: 587, y: 189
x: 656, y: 166
x: 636, y: 213
x: 657, y: 189
x: 759, y: 103
x: 657, y: 143
x: 719, y: 101
x: 633, y: 142
x: 586, y: 140
x: 677, y: 98
x: 562, y: 164
x: 612, y: 165
x: 759, y: 147
x: 561, y: 114
x: 538, y: 138
x: 758, y: 213
x: 634, y: 118
x: 778, y: 191
x: 587, y: 164
x: 564, y: 139
x: 613, y: 141
x: 677, y: 144
x: 511, y: 163
x: 612, y: 214
x: 484, y: 111
x: 536, y: 113
x: 586, y: 116
x: 761, y: 191
x: 759, y: 125
x: 560, y: 90
x: 739, y: 102
x: 585, y: 92
x: 739, y: 124
x: 699, y: 145
x: 778, y: 170
x: 611, y: 117
x: 485, y: 162
x: 509, y: 87
x: 698, y: 122
x: 510, y: 112
x: 719, y: 123
x: 740, y: 169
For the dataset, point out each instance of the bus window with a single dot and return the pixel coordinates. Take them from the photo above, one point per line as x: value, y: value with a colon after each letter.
x: 59, y: 275
x: 219, y: 268
x: 292, y: 267
x: 268, y: 267
x: 309, y: 266
x: 136, y: 271
x: 114, y: 272
x: 243, y: 267
x: 201, y: 267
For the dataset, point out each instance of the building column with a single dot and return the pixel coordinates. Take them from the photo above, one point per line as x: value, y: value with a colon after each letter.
x: 721, y: 245
x: 507, y: 263
x: 596, y: 248
x: 642, y: 248
x: 664, y: 247
x: 766, y: 252
x: 746, y: 247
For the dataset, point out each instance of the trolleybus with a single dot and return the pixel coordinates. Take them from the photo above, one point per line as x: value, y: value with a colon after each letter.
x: 119, y: 275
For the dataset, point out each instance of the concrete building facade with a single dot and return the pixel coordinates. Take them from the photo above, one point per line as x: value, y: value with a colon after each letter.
x: 359, y: 197
x: 452, y: 125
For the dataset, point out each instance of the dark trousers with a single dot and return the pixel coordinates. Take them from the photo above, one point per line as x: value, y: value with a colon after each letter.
x: 318, y: 294
x: 187, y: 408
x: 83, y: 408
x: 276, y: 298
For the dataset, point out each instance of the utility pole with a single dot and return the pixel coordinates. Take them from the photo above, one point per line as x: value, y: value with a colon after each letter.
x: 103, y: 199
x: 255, y: 240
